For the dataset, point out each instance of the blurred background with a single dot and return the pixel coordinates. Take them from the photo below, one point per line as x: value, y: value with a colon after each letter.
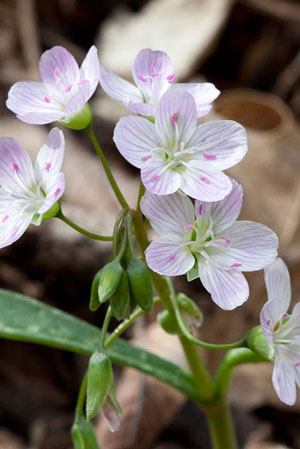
x: 250, y: 50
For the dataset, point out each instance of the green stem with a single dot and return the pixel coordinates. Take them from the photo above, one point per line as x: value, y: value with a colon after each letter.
x: 220, y: 424
x: 81, y: 397
x: 98, y: 149
x: 105, y: 326
x: 125, y: 324
x: 69, y: 222
x: 116, y: 232
x: 141, y: 193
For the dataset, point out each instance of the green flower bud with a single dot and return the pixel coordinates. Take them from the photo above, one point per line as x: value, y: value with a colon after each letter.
x: 83, y: 435
x: 257, y: 342
x: 168, y: 322
x: 109, y: 279
x: 120, y: 299
x: 80, y: 120
x: 99, y: 382
x: 94, y: 297
x: 140, y: 284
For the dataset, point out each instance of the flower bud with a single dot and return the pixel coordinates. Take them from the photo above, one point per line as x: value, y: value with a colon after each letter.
x: 94, y: 297
x: 80, y: 120
x: 120, y: 299
x: 99, y: 382
x: 257, y: 342
x: 140, y: 284
x: 168, y: 322
x: 83, y: 435
x: 109, y: 279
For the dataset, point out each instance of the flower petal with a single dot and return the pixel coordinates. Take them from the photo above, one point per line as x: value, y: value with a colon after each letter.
x: 203, y: 93
x: 153, y: 73
x: 50, y: 157
x: 204, y: 186
x: 135, y: 138
x: 16, y: 172
x: 145, y: 109
x: 78, y: 100
x: 32, y: 104
x: 13, y: 227
x: 283, y: 379
x: 118, y: 88
x: 228, y: 288
x: 176, y: 117
x: 278, y: 283
x: 225, y: 212
x: 169, y: 213
x: 90, y: 68
x: 253, y: 245
x: 166, y: 256
x: 54, y: 190
x: 59, y: 68
x: 158, y: 179
x: 222, y: 144
x: 270, y: 314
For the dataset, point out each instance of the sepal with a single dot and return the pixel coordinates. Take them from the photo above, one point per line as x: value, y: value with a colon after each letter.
x: 80, y: 120
x: 257, y: 342
x: 83, y: 434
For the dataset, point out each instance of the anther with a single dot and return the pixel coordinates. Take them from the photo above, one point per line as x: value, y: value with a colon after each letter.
x: 172, y: 257
x: 209, y: 156
x: 140, y: 77
x: 146, y: 158
x: 171, y: 78
x: 201, y: 209
x: 235, y: 265
x: 174, y: 118
x: 204, y: 179
x: 225, y: 239
x: 47, y: 99
x: 188, y: 227
x: 154, y: 178
x: 15, y: 167
x: 57, y: 191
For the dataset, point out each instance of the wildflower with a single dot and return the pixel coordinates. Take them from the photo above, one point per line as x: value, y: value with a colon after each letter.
x: 153, y: 74
x: 205, y: 240
x: 282, y: 331
x: 63, y: 92
x: 26, y: 193
x: 175, y: 154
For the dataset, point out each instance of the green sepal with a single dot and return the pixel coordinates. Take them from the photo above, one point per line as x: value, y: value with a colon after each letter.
x: 140, y: 284
x: 193, y: 273
x: 81, y: 120
x: 52, y: 212
x: 257, y: 342
x: 168, y: 322
x: 109, y: 279
x: 120, y: 299
x: 83, y: 434
x: 99, y: 382
x: 94, y: 296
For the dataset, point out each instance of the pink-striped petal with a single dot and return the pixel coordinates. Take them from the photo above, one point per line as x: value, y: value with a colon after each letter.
x: 204, y: 186
x: 135, y: 138
x: 15, y: 166
x: 278, y: 283
x: 228, y: 288
x: 32, y: 104
x: 90, y: 69
x: 270, y: 314
x: 253, y: 245
x: 78, y: 100
x: 158, y: 179
x: 203, y: 93
x: 13, y: 227
x: 153, y: 73
x: 50, y: 157
x: 58, y: 67
x: 220, y: 144
x: 145, y: 109
x: 166, y: 256
x: 176, y: 117
x: 54, y: 189
x: 283, y: 379
x: 118, y: 88
x: 169, y: 213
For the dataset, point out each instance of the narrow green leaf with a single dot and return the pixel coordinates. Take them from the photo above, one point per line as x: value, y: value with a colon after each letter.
x: 26, y: 319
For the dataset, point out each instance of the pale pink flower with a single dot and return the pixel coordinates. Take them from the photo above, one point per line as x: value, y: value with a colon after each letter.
x: 282, y: 331
x: 64, y: 89
x: 26, y: 193
x: 175, y: 153
x: 153, y: 74
x: 204, y: 240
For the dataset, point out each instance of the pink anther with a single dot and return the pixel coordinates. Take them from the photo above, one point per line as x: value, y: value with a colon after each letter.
x: 56, y: 73
x: 209, y: 156
x: 140, y: 77
x: 81, y: 82
x: 201, y: 209
x: 268, y: 322
x: 4, y: 218
x: 15, y: 167
x: 172, y: 257
x: 204, y: 179
x: 68, y: 88
x: 153, y: 64
x: 235, y: 265
x: 297, y: 364
x: 154, y: 74
x: 225, y: 239
x: 48, y: 165
x: 57, y: 191
x: 171, y: 78
x: 174, y: 118
x: 154, y: 178
x: 47, y: 99
x: 146, y: 158
x: 188, y: 227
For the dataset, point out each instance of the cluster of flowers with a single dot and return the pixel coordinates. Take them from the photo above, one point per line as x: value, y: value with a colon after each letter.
x: 177, y: 158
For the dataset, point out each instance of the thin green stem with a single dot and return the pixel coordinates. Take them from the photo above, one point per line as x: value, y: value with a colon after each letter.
x: 220, y: 424
x: 116, y: 231
x: 91, y: 235
x: 105, y: 326
x: 141, y: 193
x: 81, y: 397
x: 112, y: 181
x: 125, y: 324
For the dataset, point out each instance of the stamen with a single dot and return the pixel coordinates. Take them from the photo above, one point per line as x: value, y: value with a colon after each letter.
x: 154, y: 74
x: 204, y: 179
x: 226, y: 240
x: 297, y: 364
x: 56, y: 73
x: 146, y: 158
x: 201, y: 207
x: 57, y: 191
x: 188, y: 227
x: 268, y: 322
x: 209, y: 156
x: 172, y: 257
x: 235, y: 265
x: 140, y: 77
x: 4, y: 218
x: 48, y: 165
x: 47, y: 99
x: 15, y: 167
x: 174, y: 118
x: 68, y: 88
x: 153, y: 64
x: 171, y: 78
x: 285, y: 316
x: 154, y: 178
x: 81, y: 82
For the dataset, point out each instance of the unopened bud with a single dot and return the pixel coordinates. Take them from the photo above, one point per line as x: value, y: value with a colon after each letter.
x: 120, y: 299
x: 83, y: 435
x: 94, y: 296
x: 140, y: 284
x: 109, y: 279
